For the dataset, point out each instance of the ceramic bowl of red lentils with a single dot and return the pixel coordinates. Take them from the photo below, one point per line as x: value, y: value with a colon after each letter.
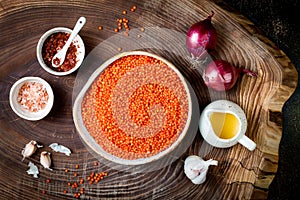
x: 51, y: 42
x: 136, y: 108
x: 31, y: 98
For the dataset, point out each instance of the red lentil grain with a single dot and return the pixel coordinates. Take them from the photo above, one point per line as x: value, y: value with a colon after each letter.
x: 75, y: 185
x: 48, y: 180
x: 100, y: 28
x: 124, y: 12
x: 81, y: 181
x: 81, y: 190
x: 76, y: 166
x: 116, y: 30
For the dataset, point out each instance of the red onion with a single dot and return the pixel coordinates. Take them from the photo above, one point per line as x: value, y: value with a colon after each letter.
x: 201, y: 37
x: 221, y: 75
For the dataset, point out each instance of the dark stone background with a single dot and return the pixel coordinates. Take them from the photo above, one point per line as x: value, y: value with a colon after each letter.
x: 278, y: 20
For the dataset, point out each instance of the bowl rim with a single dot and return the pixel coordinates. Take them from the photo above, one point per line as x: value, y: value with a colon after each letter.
x: 40, y: 46
x: 89, y: 140
x: 42, y: 113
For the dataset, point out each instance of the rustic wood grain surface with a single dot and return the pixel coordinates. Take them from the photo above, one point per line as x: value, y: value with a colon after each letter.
x: 240, y: 174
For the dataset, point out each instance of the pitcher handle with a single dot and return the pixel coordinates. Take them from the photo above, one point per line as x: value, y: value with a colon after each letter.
x: 247, y: 142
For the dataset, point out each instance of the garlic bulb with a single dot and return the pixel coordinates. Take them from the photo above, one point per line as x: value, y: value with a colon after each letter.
x: 29, y: 149
x: 45, y: 160
x: 195, y: 168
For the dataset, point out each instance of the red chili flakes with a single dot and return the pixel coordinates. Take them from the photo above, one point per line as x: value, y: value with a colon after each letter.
x: 52, y: 45
x: 100, y: 121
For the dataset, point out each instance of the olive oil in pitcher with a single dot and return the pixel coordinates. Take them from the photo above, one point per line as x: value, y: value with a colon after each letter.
x: 225, y: 125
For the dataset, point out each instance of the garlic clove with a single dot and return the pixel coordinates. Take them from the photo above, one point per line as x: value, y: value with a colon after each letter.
x: 45, y: 160
x: 29, y: 149
x: 196, y: 168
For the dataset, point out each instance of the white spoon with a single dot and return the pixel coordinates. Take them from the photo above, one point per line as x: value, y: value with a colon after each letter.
x: 59, y: 57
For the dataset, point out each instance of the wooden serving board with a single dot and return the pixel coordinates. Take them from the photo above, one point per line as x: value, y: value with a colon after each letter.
x: 241, y: 174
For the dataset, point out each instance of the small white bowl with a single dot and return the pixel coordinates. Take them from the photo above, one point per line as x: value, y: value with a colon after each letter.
x: 78, y: 42
x: 22, y: 112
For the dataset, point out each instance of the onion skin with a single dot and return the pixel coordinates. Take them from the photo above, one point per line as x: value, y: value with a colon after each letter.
x: 201, y: 38
x: 222, y: 76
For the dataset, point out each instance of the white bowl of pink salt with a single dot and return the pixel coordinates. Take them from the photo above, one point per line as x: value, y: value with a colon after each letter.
x: 31, y: 98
